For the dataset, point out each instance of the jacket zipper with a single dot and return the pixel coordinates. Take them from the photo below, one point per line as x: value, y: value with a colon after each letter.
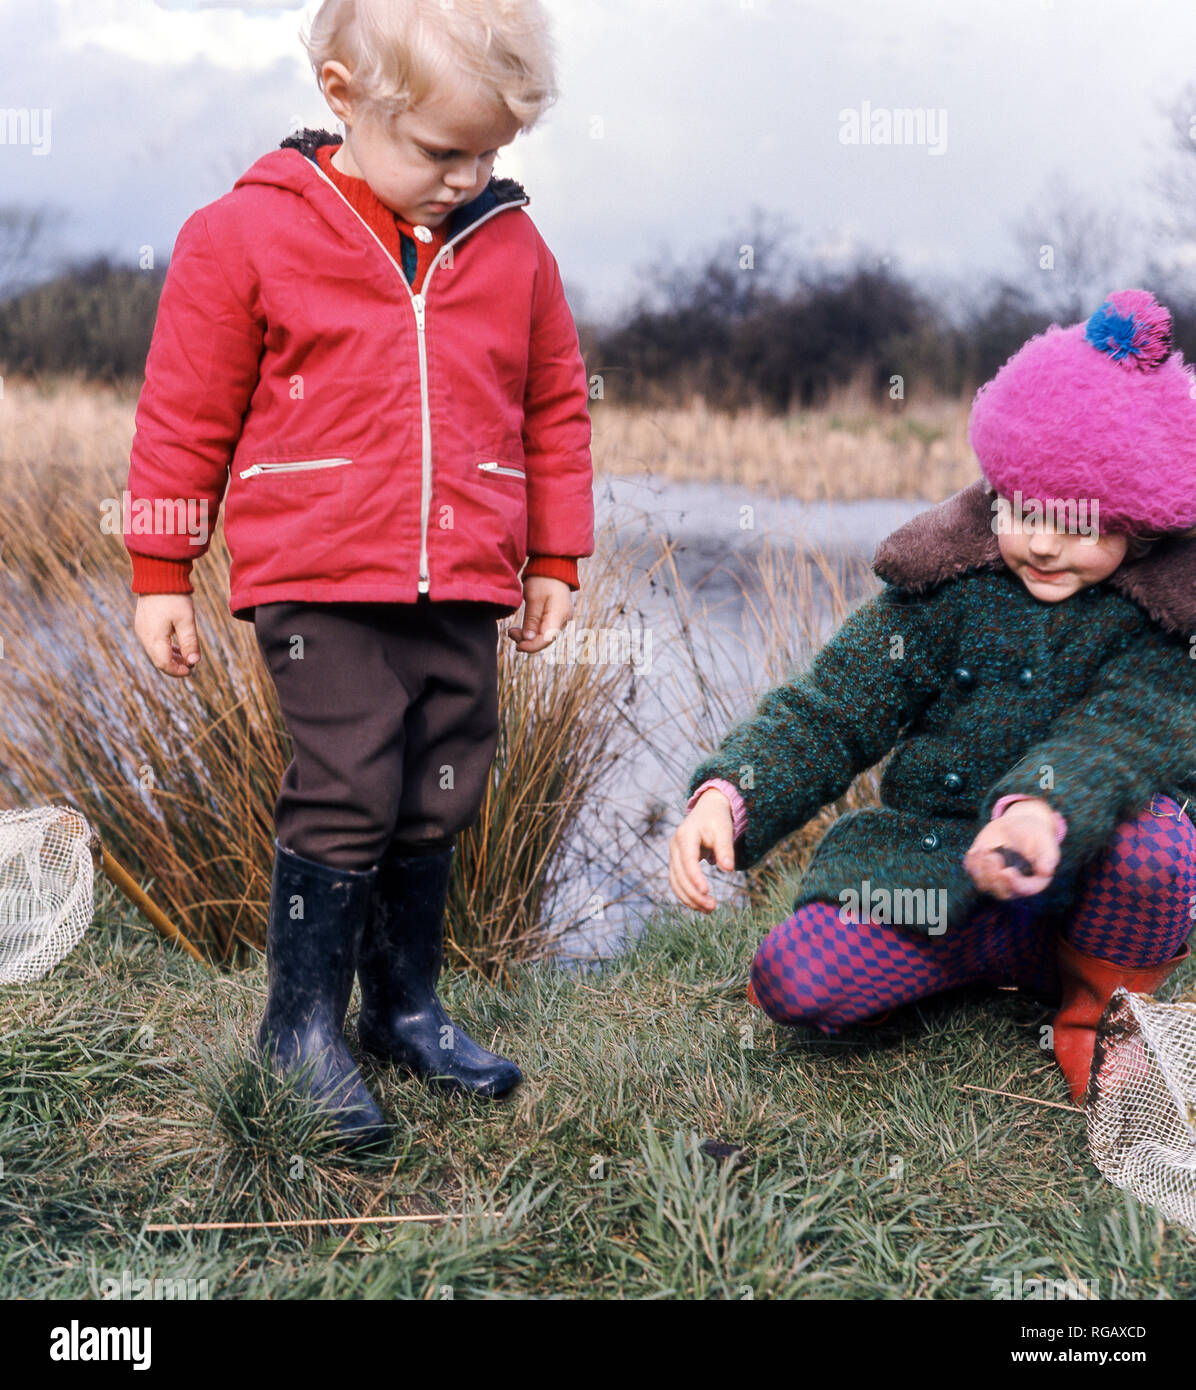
x: 257, y: 468
x: 419, y: 306
x: 499, y: 468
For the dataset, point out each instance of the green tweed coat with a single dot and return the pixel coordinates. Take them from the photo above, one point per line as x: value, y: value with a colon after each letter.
x: 979, y: 689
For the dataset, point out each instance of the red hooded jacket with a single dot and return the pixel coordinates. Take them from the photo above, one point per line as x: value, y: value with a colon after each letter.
x: 376, y: 443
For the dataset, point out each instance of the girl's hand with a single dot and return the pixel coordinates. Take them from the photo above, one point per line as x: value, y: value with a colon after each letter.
x: 708, y: 827
x: 161, y: 618
x: 547, y: 607
x: 1029, y: 828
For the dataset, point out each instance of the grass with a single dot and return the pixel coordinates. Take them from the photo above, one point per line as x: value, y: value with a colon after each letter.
x: 854, y: 1169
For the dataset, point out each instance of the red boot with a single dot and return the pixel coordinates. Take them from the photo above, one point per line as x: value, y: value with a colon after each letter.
x: 1088, y: 984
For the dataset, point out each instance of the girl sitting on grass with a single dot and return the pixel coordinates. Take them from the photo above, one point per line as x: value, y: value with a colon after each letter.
x: 1030, y: 663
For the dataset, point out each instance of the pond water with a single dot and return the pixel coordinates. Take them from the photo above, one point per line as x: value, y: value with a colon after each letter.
x: 619, y: 858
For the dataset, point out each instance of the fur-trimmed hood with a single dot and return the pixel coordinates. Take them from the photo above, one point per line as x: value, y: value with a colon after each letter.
x: 957, y: 536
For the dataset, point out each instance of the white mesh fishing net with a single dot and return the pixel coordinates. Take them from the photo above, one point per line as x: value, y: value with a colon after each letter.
x: 46, y: 889
x: 1142, y: 1102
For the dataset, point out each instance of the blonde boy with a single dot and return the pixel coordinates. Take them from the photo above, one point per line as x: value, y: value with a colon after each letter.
x: 368, y: 342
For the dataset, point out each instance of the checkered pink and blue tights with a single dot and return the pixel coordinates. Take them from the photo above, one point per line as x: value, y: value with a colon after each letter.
x: 1134, y: 905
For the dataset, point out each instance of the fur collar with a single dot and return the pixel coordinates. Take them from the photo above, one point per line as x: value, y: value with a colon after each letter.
x: 957, y: 536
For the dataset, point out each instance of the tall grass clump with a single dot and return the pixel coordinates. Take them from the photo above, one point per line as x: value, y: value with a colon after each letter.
x: 560, y: 735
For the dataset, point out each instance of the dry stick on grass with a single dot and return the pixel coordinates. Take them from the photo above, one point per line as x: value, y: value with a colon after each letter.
x: 308, y: 1221
x: 1030, y: 1100
x: 374, y: 1200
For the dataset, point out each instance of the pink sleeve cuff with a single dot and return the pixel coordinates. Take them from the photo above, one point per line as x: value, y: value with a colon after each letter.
x: 731, y: 792
x: 1004, y: 801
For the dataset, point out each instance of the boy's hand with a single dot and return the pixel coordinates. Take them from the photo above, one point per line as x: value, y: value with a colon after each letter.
x: 547, y: 607
x: 165, y: 623
x: 706, y: 832
x: 1029, y: 828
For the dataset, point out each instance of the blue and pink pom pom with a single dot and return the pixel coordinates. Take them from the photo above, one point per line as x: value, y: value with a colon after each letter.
x: 1133, y: 328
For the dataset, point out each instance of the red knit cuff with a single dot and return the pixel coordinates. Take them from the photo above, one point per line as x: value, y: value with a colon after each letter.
x: 153, y: 575
x: 563, y: 567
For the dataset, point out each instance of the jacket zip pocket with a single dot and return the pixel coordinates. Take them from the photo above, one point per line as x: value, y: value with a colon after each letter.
x: 503, y: 469
x: 296, y: 467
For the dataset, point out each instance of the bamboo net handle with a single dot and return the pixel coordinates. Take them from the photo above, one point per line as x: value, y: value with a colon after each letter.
x: 77, y: 824
x: 119, y: 875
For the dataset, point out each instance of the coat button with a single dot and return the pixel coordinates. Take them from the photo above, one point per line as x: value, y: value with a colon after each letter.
x: 953, y: 781
x: 1025, y: 676
x: 930, y: 840
x: 964, y: 678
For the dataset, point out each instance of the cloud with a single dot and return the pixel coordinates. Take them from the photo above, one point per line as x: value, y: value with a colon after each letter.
x: 707, y: 109
x: 162, y: 33
x: 250, y: 6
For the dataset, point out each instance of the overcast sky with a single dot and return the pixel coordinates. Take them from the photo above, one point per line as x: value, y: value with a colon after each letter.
x: 709, y: 109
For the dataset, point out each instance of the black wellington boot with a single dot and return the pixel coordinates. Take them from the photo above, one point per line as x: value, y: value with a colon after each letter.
x: 310, y: 961
x: 401, y: 1018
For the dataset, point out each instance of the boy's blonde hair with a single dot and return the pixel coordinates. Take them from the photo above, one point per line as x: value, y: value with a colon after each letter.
x: 400, y: 51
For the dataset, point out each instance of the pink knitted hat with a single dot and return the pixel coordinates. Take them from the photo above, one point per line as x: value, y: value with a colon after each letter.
x: 1101, y: 411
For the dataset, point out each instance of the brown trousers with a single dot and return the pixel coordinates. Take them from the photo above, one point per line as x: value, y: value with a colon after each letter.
x: 392, y: 709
